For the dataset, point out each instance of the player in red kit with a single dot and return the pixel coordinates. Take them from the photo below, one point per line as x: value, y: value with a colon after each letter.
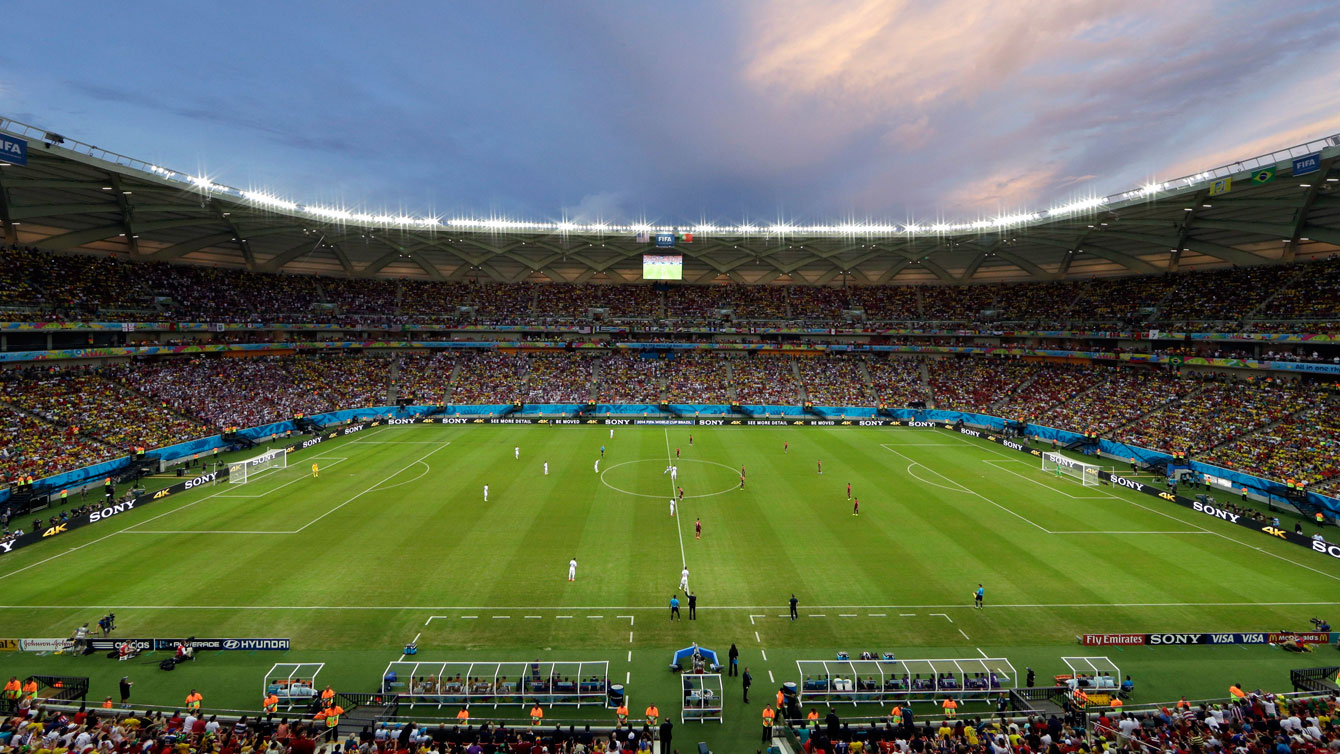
x: 821, y: 467
x: 742, y: 481
x: 849, y: 490
x: 786, y: 447
x: 681, y: 494
x: 676, y: 452
x: 698, y: 528
x: 856, y: 506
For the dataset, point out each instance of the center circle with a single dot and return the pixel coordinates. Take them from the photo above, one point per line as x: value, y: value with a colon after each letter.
x: 731, y: 480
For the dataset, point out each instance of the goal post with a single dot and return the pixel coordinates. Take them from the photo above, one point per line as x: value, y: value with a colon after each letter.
x: 244, y: 471
x: 1060, y: 465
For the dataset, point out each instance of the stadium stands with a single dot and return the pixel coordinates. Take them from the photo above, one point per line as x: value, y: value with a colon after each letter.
x: 1215, y: 413
x: 765, y: 380
x: 65, y: 418
x: 37, y: 285
x: 835, y: 381
x: 896, y: 382
x: 697, y: 378
x: 629, y: 378
x: 967, y: 384
x: 84, y: 401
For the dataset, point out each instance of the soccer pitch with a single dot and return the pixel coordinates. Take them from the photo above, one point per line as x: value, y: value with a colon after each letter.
x: 394, y: 541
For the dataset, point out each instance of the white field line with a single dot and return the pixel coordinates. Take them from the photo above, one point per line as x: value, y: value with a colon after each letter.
x: 1000, y: 466
x: 968, y: 491
x: 370, y: 489
x: 1179, y: 520
x: 394, y: 442
x: 909, y: 471
x: 965, y: 636
x: 113, y: 534
x: 669, y: 461
x: 374, y: 487
x: 1029, y: 605
x: 336, y: 459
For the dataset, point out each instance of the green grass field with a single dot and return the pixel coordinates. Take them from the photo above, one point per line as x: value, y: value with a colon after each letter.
x: 394, y: 541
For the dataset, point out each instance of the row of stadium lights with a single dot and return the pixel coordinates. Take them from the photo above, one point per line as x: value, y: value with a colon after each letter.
x: 270, y: 201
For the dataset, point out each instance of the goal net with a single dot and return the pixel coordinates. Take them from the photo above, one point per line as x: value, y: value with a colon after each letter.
x: 245, y: 471
x: 1060, y: 465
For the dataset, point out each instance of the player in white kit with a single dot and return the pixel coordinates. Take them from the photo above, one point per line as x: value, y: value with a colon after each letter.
x: 674, y: 473
x: 684, y: 579
x: 597, y: 465
x: 546, y: 468
x: 572, y: 570
x: 672, y: 506
x: 517, y: 452
x: 611, y: 434
x: 486, y: 493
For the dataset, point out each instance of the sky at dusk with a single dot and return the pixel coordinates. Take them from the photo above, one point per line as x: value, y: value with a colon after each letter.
x: 680, y: 112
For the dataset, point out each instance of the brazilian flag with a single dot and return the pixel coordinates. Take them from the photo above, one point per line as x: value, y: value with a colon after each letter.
x: 1264, y: 175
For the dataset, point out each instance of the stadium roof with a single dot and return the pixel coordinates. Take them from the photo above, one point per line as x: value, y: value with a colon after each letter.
x: 78, y: 197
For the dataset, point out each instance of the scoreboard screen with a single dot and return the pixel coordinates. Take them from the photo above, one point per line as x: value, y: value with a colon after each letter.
x: 662, y: 266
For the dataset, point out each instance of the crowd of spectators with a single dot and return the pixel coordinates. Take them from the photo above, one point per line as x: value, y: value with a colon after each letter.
x: 423, y: 377
x: 1305, y: 447
x: 492, y: 378
x: 888, y: 303
x: 1051, y: 385
x: 35, y: 729
x: 1223, y: 294
x: 1125, y: 395
x: 629, y: 378
x: 1312, y: 293
x: 1216, y: 412
x: 559, y: 377
x: 31, y: 446
x: 835, y: 381
x: 247, y: 392
x: 1249, y: 722
x: 60, y: 419
x: 957, y: 303
x: 697, y: 378
x: 762, y: 380
x: 896, y: 381
x: 972, y: 384
x: 38, y: 285
x: 576, y: 300
x: 89, y: 402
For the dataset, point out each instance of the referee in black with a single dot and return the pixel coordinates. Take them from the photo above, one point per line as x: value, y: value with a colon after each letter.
x: 794, y: 602
x: 693, y: 606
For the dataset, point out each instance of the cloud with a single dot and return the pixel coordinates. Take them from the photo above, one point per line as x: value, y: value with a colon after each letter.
x: 602, y: 206
x: 1024, y: 104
